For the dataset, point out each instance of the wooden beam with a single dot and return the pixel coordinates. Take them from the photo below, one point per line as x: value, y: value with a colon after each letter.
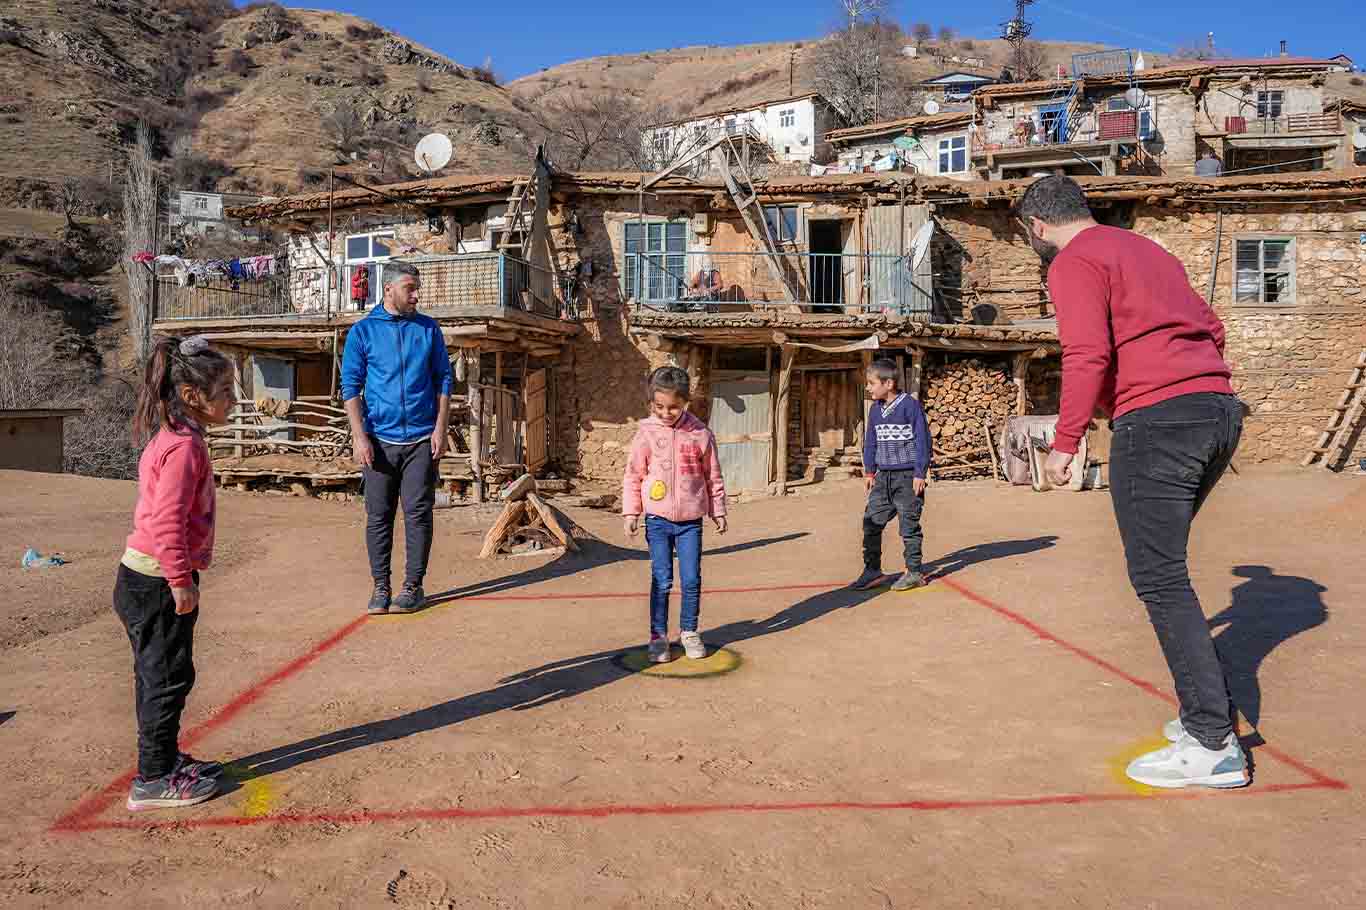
x: 916, y: 378
x: 1019, y: 374
x: 784, y: 409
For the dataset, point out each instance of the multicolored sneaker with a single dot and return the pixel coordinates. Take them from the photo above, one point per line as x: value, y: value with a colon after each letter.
x: 173, y: 791
x: 1186, y: 763
x: 692, y: 645
x: 188, y: 764
x: 659, y: 649
x: 870, y: 578
x: 1173, y: 730
x: 909, y: 582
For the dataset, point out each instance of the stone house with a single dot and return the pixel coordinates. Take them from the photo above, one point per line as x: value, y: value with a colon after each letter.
x: 1353, y: 114
x: 932, y: 272
x: 1254, y: 116
x: 937, y: 145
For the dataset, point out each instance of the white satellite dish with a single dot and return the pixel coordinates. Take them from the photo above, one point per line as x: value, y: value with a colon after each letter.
x: 921, y: 244
x: 433, y: 152
x: 931, y: 107
x: 1136, y: 98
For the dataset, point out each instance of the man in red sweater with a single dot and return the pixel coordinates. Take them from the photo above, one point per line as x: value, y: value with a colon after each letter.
x: 1143, y: 348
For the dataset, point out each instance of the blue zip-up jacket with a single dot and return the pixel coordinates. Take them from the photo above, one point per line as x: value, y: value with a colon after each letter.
x: 897, y: 438
x: 402, y: 366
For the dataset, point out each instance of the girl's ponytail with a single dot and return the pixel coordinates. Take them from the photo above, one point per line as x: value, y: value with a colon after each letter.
x: 174, y: 362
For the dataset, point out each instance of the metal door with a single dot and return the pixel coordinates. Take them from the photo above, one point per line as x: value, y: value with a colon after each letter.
x: 742, y: 421
x: 273, y: 378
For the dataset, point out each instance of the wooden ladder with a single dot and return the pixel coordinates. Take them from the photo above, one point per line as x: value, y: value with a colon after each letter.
x: 740, y: 185
x: 515, y: 228
x: 1335, y: 441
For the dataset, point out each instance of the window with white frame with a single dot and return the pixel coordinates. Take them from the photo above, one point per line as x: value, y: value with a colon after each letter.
x: 730, y: 125
x: 787, y: 117
x: 367, y: 252
x: 953, y: 155
x: 201, y: 204
x: 1264, y: 271
x: 783, y: 222
x: 655, y: 266
x: 368, y: 247
x: 1269, y: 105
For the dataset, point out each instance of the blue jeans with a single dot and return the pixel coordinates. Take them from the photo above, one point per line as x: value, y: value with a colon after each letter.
x: 665, y: 538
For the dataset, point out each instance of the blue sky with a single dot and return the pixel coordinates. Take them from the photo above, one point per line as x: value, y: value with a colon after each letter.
x: 527, y: 35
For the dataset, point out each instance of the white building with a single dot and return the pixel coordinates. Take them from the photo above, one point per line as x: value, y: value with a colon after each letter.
x: 793, y: 127
x: 938, y: 145
x: 195, y: 213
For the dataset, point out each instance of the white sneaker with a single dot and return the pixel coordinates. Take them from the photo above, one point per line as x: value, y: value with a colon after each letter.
x: 692, y: 645
x: 1173, y: 730
x: 659, y: 650
x: 1186, y: 763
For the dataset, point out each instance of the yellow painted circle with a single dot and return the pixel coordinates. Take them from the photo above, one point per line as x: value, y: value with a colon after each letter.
x: 717, y: 661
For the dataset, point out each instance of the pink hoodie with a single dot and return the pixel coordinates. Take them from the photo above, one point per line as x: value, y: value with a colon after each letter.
x: 674, y: 472
x: 174, y: 518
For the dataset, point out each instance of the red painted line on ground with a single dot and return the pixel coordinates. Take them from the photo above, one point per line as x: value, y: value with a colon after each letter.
x: 94, y: 805
x: 1319, y: 778
x: 609, y: 811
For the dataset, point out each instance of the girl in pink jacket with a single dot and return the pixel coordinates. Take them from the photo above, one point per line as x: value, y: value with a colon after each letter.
x: 674, y: 479
x: 187, y: 387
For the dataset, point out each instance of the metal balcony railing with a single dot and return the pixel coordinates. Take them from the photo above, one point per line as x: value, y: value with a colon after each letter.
x: 828, y: 283
x: 449, y: 284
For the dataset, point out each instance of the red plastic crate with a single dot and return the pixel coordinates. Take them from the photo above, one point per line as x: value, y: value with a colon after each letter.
x: 1235, y: 125
x: 1118, y: 124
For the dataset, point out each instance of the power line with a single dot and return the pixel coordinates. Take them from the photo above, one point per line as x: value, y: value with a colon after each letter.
x: 1110, y: 25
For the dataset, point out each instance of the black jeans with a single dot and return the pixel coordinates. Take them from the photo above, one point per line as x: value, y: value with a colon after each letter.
x: 406, y: 472
x: 893, y: 494
x: 163, y: 665
x: 1164, y: 461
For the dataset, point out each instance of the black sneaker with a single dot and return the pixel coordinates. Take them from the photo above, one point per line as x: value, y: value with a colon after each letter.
x: 173, y: 791
x: 189, y: 765
x: 870, y: 578
x: 410, y: 599
x: 379, y: 600
x: 909, y: 581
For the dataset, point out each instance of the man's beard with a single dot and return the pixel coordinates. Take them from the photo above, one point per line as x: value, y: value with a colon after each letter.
x: 1045, y: 249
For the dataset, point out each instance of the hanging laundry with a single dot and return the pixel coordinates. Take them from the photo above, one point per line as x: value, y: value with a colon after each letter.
x: 235, y: 268
x: 144, y: 257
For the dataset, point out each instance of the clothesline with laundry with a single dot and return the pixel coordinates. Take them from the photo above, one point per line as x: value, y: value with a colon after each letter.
x: 189, y: 272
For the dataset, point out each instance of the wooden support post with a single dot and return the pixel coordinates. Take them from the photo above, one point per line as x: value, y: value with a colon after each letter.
x: 476, y: 400
x: 915, y: 379
x: 863, y: 395
x: 1019, y: 374
x: 784, y: 412
x: 497, y: 369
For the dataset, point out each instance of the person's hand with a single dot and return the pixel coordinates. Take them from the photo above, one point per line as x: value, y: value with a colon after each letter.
x: 630, y: 524
x: 1058, y: 468
x: 440, y: 444
x: 720, y: 522
x: 868, y: 483
x: 918, y: 485
x: 186, y: 599
x: 363, y: 451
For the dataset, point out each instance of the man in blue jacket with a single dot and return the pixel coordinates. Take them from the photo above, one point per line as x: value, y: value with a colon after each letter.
x: 896, y: 460
x: 397, y: 357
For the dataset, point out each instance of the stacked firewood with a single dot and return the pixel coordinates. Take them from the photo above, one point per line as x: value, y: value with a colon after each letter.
x: 959, y: 396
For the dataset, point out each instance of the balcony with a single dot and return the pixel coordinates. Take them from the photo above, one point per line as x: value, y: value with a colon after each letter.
x: 475, y: 283
x: 1319, y: 124
x: 823, y: 283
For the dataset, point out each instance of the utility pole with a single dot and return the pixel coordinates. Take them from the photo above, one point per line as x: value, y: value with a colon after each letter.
x: 1015, y: 33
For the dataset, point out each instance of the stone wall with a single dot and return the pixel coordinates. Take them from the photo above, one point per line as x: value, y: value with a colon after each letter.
x: 981, y: 256
x: 1290, y: 362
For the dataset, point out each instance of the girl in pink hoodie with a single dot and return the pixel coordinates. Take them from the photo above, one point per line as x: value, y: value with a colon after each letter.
x: 186, y: 388
x: 674, y: 479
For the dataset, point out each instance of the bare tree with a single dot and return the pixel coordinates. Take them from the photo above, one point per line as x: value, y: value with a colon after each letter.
x: 606, y: 131
x: 139, y: 220
x: 345, y: 126
x: 1028, y: 62
x: 921, y: 32
x: 947, y: 35
x: 32, y: 373
x: 856, y: 67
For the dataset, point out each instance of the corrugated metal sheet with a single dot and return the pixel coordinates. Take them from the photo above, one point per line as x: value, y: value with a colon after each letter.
x: 741, y: 420
x: 893, y: 284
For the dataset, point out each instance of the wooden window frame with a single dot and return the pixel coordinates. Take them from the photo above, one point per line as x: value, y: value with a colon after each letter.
x: 1290, y: 268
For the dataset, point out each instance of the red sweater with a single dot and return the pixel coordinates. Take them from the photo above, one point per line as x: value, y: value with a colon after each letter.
x: 1133, y: 330
x: 173, y: 520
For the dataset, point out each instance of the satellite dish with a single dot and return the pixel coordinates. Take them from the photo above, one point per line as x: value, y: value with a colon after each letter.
x: 433, y: 152
x: 1137, y: 98
x: 931, y: 107
x: 921, y: 244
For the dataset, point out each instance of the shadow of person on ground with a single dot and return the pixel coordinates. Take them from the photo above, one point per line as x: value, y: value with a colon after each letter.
x: 1266, y: 610
x: 985, y: 552
x: 592, y: 554
x: 6, y: 715
x: 532, y: 688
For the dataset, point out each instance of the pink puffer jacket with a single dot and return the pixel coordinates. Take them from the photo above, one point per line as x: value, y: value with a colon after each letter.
x: 674, y: 472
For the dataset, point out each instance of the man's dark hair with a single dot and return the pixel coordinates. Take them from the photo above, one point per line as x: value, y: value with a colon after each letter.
x: 885, y: 369
x: 671, y: 379
x: 1053, y: 200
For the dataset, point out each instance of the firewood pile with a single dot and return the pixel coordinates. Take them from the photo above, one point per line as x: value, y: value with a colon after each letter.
x: 527, y: 524
x: 959, y: 396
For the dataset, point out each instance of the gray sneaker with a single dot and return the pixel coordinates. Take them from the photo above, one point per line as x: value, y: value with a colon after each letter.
x: 379, y: 600
x: 410, y: 599
x: 693, y: 648
x: 909, y: 581
x: 194, y: 767
x: 173, y: 791
x: 1186, y: 763
x: 871, y: 578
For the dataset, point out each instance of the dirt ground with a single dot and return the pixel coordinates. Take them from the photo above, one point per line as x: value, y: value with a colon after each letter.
x: 959, y: 746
